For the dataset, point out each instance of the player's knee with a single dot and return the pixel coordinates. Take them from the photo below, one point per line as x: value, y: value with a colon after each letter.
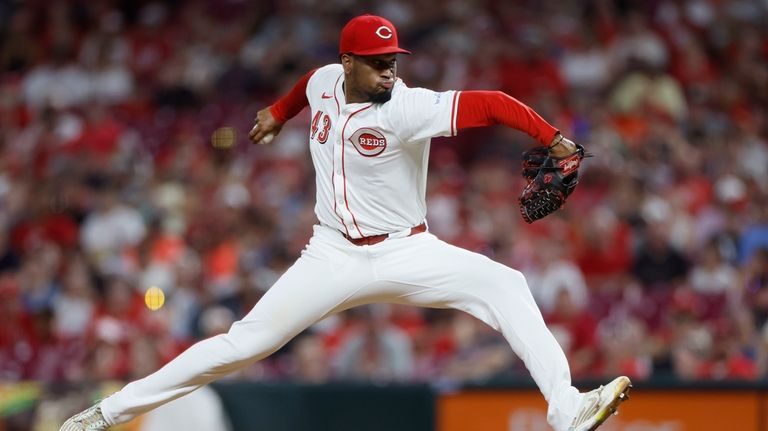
x: 517, y: 278
x: 506, y: 277
x: 255, y: 340
x: 509, y: 284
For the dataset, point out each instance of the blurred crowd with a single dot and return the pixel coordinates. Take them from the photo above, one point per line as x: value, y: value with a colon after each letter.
x: 124, y: 164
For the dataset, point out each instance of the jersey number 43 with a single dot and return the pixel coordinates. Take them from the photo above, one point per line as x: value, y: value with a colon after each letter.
x: 323, y: 135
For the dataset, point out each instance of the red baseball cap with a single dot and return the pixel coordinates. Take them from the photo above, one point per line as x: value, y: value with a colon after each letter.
x: 369, y: 35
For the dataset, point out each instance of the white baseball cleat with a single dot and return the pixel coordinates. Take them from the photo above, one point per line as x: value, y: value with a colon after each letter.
x: 90, y: 419
x: 599, y: 404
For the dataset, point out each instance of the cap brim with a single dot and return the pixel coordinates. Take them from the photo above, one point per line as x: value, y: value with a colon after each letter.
x: 378, y: 51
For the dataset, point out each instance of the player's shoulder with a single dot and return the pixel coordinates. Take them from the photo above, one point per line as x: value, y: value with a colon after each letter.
x: 400, y: 87
x: 329, y: 72
x: 402, y: 93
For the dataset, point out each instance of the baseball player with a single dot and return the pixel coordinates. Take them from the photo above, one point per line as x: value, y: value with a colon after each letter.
x: 369, y: 140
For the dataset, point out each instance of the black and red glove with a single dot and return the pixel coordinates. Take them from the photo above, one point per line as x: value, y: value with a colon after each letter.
x: 551, y: 179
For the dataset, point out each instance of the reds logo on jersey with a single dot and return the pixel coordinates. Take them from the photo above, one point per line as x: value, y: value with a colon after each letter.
x: 368, y: 142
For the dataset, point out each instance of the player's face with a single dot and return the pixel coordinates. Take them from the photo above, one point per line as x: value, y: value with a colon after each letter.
x: 369, y: 78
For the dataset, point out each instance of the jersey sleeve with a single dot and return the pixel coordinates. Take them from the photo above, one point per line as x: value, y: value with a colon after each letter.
x: 485, y: 108
x: 421, y: 113
x: 292, y: 103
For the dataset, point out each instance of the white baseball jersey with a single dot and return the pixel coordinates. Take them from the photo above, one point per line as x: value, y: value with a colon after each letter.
x: 371, y: 159
x: 371, y: 168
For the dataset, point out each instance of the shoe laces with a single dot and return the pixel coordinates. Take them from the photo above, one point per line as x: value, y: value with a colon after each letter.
x: 589, y: 407
x: 92, y: 419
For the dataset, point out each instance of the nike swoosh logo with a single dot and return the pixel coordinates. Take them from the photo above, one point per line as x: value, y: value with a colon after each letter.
x: 325, y: 96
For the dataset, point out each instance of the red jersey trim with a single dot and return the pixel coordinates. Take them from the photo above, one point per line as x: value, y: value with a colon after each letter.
x: 335, y: 98
x: 333, y: 184
x: 333, y: 161
x: 453, y: 113
x: 343, y: 168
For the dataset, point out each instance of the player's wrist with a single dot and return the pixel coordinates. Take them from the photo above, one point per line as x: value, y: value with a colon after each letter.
x: 561, y: 146
x: 277, y: 114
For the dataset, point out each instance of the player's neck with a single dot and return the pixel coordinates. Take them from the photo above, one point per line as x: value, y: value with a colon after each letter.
x: 352, y: 96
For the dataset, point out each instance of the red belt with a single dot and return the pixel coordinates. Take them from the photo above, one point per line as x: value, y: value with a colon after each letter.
x: 375, y: 239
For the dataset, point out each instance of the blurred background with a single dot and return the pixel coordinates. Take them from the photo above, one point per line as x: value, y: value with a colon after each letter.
x: 125, y: 164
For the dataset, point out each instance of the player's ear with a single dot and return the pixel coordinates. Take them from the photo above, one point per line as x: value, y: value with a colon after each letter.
x: 346, y: 63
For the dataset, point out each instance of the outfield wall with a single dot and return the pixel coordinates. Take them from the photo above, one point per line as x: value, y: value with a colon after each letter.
x: 660, y: 406
x: 653, y: 410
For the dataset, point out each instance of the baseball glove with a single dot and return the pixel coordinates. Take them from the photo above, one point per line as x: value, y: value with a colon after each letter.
x: 550, y: 181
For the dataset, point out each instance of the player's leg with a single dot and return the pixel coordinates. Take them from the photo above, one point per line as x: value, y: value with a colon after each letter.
x: 318, y: 284
x: 422, y: 270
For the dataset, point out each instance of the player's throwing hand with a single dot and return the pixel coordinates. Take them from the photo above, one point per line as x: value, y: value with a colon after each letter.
x: 266, y: 127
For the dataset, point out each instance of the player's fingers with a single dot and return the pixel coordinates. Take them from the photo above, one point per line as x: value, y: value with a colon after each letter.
x: 261, y: 136
x: 258, y: 132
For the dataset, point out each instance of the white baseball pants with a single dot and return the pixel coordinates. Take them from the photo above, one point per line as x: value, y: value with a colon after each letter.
x: 332, y: 275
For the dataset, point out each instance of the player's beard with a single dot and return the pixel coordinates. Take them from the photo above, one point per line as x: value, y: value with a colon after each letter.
x: 381, y: 96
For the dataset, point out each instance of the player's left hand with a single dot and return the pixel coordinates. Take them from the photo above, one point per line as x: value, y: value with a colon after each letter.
x: 266, y: 127
x: 552, y: 175
x: 562, y: 147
